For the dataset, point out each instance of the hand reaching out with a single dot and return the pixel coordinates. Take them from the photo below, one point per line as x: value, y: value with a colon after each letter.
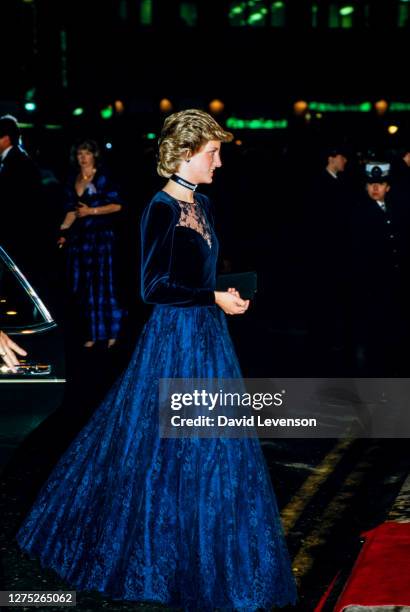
x: 8, y: 350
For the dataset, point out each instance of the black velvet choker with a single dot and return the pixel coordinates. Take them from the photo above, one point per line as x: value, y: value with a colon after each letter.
x: 183, y: 182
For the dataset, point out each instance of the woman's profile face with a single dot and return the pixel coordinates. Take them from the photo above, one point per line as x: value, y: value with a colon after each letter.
x: 85, y: 157
x: 203, y: 163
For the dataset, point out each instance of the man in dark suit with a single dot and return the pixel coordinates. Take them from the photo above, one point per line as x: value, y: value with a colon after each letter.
x: 379, y: 269
x: 19, y: 194
x: 327, y: 215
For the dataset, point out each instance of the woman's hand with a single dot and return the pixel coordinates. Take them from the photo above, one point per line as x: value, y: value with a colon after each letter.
x: 234, y: 292
x: 82, y: 210
x: 61, y: 241
x: 8, y: 350
x: 231, y: 302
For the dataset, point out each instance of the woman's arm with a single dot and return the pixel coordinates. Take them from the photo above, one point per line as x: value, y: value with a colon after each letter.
x: 106, y: 209
x: 157, y: 228
x: 157, y: 232
x: 68, y: 220
x: 108, y: 195
x: 66, y: 224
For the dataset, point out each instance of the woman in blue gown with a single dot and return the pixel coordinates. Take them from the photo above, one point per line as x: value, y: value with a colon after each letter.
x: 186, y: 522
x: 92, y: 205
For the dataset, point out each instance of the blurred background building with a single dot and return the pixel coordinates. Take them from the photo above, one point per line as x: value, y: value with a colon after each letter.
x: 87, y: 59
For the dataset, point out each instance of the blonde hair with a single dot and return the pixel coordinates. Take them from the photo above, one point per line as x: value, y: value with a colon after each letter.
x: 183, y: 134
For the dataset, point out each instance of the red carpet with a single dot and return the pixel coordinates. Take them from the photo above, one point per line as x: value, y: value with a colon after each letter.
x: 381, y: 574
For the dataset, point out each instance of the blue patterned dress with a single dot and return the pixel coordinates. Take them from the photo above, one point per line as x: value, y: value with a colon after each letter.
x: 191, y: 523
x: 91, y: 261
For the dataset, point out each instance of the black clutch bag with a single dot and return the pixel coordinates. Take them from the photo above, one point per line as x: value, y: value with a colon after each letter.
x: 244, y: 282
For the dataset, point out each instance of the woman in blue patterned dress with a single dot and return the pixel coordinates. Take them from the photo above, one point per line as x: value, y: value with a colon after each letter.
x: 92, y: 203
x: 185, y: 522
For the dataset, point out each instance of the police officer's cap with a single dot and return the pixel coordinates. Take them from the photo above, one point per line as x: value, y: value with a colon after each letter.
x: 377, y: 172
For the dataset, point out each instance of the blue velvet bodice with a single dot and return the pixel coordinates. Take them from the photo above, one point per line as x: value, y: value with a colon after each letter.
x: 178, y: 263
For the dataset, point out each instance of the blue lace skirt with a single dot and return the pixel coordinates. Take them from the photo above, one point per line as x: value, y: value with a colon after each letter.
x: 185, y: 522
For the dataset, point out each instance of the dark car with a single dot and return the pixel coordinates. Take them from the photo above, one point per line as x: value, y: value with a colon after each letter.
x: 36, y: 389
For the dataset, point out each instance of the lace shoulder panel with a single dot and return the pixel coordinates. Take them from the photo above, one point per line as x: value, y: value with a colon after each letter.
x: 193, y: 216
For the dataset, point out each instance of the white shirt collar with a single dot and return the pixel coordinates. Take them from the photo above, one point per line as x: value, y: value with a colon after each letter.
x: 331, y: 173
x: 6, y: 152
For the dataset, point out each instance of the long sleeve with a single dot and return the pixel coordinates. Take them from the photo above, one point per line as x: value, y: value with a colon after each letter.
x: 157, y: 286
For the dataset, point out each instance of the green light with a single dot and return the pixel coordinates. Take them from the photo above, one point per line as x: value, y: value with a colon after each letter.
x: 151, y: 136
x: 53, y: 126
x: 403, y: 16
x: 106, y: 113
x: 236, y: 13
x: 48, y: 126
x: 365, y: 107
x: 30, y: 94
x: 78, y: 111
x: 235, y: 123
x: 278, y: 15
x: 255, y: 18
x: 314, y: 18
x: 346, y: 10
x: 327, y: 107
x: 146, y: 12
x: 30, y: 106
x: 256, y: 124
x: 399, y: 107
x: 188, y: 13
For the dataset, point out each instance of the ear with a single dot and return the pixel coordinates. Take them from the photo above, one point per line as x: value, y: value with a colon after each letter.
x: 388, y: 188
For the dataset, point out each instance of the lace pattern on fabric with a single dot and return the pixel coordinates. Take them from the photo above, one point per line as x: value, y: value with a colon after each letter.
x: 193, y: 216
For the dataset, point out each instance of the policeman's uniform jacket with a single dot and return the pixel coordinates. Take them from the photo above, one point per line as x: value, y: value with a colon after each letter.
x: 379, y: 266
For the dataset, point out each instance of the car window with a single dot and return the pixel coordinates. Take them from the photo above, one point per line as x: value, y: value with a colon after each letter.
x: 21, y: 309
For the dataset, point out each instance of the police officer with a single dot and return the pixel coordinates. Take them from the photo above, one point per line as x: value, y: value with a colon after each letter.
x: 379, y: 268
